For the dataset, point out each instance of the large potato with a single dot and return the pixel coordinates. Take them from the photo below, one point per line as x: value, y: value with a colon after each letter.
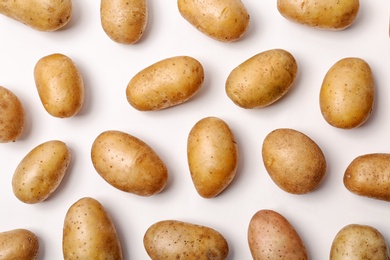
x: 18, y: 244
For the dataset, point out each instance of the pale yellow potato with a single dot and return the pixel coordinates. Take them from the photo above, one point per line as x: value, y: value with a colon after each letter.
x: 222, y: 20
x: 262, y: 79
x: 41, y: 171
x: 60, y: 85
x: 18, y: 244
x: 356, y: 242
x: 166, y: 83
x: 322, y: 14
x: 89, y: 232
x: 124, y: 21
x: 272, y: 236
x: 12, y: 116
x: 212, y: 156
x: 173, y: 239
x: 41, y: 15
x: 293, y: 161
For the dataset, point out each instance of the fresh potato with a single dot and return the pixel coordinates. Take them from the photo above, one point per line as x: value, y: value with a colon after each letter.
x: 294, y: 161
x: 124, y: 21
x: 271, y: 236
x: 89, y: 232
x: 166, y: 83
x: 12, y: 116
x: 262, y: 79
x: 347, y: 93
x: 41, y: 15
x: 41, y: 171
x: 323, y: 14
x: 172, y: 239
x: 18, y: 244
x: 60, y: 85
x: 128, y: 164
x: 212, y: 156
x: 356, y: 242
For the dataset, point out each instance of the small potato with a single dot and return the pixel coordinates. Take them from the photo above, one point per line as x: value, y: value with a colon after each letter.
x: 41, y: 171
x: 322, y: 14
x: 294, y: 161
x: 262, y: 79
x: 18, y: 244
x: 41, y: 15
x: 172, y: 239
x: 124, y: 21
x: 347, y: 93
x: 166, y: 83
x: 355, y: 242
x: 212, y: 156
x: 89, y: 232
x: 128, y: 164
x: 12, y: 116
x: 271, y: 236
x: 60, y: 85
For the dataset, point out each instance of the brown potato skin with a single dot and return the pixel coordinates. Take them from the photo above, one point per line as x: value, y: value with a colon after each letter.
x: 19, y: 244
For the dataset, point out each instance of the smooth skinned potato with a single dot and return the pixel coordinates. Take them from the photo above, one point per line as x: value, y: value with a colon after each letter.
x: 18, y: 244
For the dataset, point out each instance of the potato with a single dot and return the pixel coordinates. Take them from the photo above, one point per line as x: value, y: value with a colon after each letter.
x: 212, y: 156
x: 347, y: 93
x: 89, y: 233
x: 41, y: 15
x: 222, y: 20
x: 60, y: 85
x: 18, y: 244
x: 294, y: 161
x: 124, y: 21
x: 356, y: 241
x: 262, y: 79
x: 271, y: 236
x: 41, y: 171
x: 166, y: 83
x: 322, y: 14
x: 128, y: 164
x: 173, y: 239
x: 12, y: 116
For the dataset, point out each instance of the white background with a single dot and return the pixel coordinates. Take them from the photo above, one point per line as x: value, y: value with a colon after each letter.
x: 107, y: 67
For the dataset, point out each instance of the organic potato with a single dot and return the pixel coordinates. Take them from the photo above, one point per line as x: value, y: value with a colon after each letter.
x: 89, y: 232
x: 12, y: 116
x: 271, y: 236
x: 172, y: 239
x: 212, y: 156
x: 60, y: 85
x: 166, y: 83
x: 323, y: 14
x: 294, y: 161
x: 41, y: 15
x: 18, y: 244
x: 41, y: 171
x: 262, y: 79
x: 124, y: 21
x: 128, y: 164
x: 347, y: 93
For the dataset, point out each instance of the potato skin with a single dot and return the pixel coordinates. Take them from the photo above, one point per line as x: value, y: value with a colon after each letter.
x: 19, y: 244
x: 172, y: 239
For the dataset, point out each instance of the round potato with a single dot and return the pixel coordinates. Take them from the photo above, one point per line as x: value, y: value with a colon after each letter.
x: 18, y: 244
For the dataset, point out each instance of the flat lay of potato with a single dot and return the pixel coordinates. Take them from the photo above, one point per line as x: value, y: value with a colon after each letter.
x: 18, y: 244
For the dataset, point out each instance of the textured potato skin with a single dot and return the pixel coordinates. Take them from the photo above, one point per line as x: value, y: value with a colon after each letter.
x: 18, y: 244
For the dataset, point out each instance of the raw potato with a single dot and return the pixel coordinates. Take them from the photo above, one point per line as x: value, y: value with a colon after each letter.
x: 271, y: 236
x: 128, y: 163
x: 356, y: 241
x: 89, y: 232
x: 18, y: 244
x: 262, y: 79
x: 41, y: 15
x: 347, y: 93
x: 12, y: 116
x: 322, y: 14
x: 172, y: 239
x: 212, y: 156
x: 60, y: 85
x: 294, y: 161
x: 124, y: 21
x: 41, y: 171
x: 166, y: 83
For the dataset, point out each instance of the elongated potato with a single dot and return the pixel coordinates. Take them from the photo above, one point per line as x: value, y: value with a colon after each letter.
x: 18, y: 244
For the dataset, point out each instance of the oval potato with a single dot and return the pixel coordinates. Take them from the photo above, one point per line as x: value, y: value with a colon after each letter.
x: 18, y: 244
